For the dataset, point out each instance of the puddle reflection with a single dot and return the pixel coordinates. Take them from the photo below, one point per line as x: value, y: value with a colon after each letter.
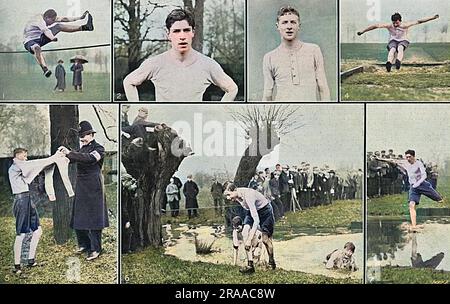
x: 389, y: 245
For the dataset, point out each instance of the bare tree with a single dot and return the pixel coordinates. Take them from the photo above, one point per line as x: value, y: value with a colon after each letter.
x: 198, y: 9
x: 264, y: 125
x: 224, y: 35
x: 99, y: 111
x: 15, y: 128
x: 134, y: 19
x: 225, y: 31
x: 98, y: 60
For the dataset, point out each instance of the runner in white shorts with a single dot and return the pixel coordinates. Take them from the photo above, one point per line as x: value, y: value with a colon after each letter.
x: 42, y: 29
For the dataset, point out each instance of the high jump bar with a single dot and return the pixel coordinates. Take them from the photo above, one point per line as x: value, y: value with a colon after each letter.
x: 61, y: 49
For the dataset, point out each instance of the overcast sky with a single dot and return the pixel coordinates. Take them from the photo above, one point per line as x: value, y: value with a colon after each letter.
x: 332, y: 134
x: 357, y: 15
x: 15, y: 14
x: 423, y: 128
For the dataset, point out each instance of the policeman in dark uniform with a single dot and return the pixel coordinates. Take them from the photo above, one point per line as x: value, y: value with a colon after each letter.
x: 89, y: 215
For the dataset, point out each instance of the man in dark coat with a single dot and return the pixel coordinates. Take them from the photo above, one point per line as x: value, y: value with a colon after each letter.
x: 89, y: 215
x: 217, y: 194
x: 333, y: 184
x: 305, y: 196
x: 179, y: 184
x: 315, y: 188
x: 284, y: 186
x: 373, y: 181
x: 190, y: 191
x: 274, y: 186
x: 77, y: 69
x: 60, y: 74
x: 324, y: 188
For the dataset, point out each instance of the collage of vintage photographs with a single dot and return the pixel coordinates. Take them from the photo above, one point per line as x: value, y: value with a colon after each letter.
x: 225, y: 142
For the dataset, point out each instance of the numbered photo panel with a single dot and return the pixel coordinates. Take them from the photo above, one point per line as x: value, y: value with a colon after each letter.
x: 292, y: 50
x: 58, y: 194
x: 179, y: 51
x: 56, y: 50
x: 408, y: 213
x: 395, y: 50
x: 216, y: 192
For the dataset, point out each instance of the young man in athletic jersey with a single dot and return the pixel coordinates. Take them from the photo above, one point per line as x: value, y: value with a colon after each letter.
x: 398, y: 37
x: 295, y: 70
x: 42, y: 29
x: 181, y: 73
x: 417, y: 179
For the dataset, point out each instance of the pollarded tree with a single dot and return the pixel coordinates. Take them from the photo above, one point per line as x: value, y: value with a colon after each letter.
x: 264, y: 125
x: 151, y: 155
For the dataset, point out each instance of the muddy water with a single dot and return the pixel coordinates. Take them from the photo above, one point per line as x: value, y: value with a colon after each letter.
x: 303, y: 253
x: 389, y: 244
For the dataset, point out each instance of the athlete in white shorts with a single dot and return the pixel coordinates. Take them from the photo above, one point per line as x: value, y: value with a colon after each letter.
x: 42, y: 29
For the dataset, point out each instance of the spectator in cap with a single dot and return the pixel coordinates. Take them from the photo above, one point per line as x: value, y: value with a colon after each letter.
x: 141, y: 118
x: 190, y: 191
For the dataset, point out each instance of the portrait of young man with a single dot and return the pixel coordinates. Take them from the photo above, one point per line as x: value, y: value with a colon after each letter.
x: 295, y: 59
x: 181, y: 73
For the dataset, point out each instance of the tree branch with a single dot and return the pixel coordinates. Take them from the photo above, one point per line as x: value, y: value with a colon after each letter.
x: 123, y: 22
x: 124, y: 5
x: 103, y: 127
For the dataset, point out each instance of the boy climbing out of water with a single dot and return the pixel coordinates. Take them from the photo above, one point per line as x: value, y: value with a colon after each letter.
x: 342, y: 258
x: 398, y: 37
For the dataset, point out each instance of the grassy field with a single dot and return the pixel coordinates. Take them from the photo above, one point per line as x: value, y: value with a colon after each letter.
x: 397, y: 205
x: 377, y: 52
x: 340, y: 214
x: 53, y: 258
x: 161, y: 269
x: 409, y: 83
x: 34, y: 86
x: 407, y: 275
x: 151, y: 266
x: 6, y: 201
